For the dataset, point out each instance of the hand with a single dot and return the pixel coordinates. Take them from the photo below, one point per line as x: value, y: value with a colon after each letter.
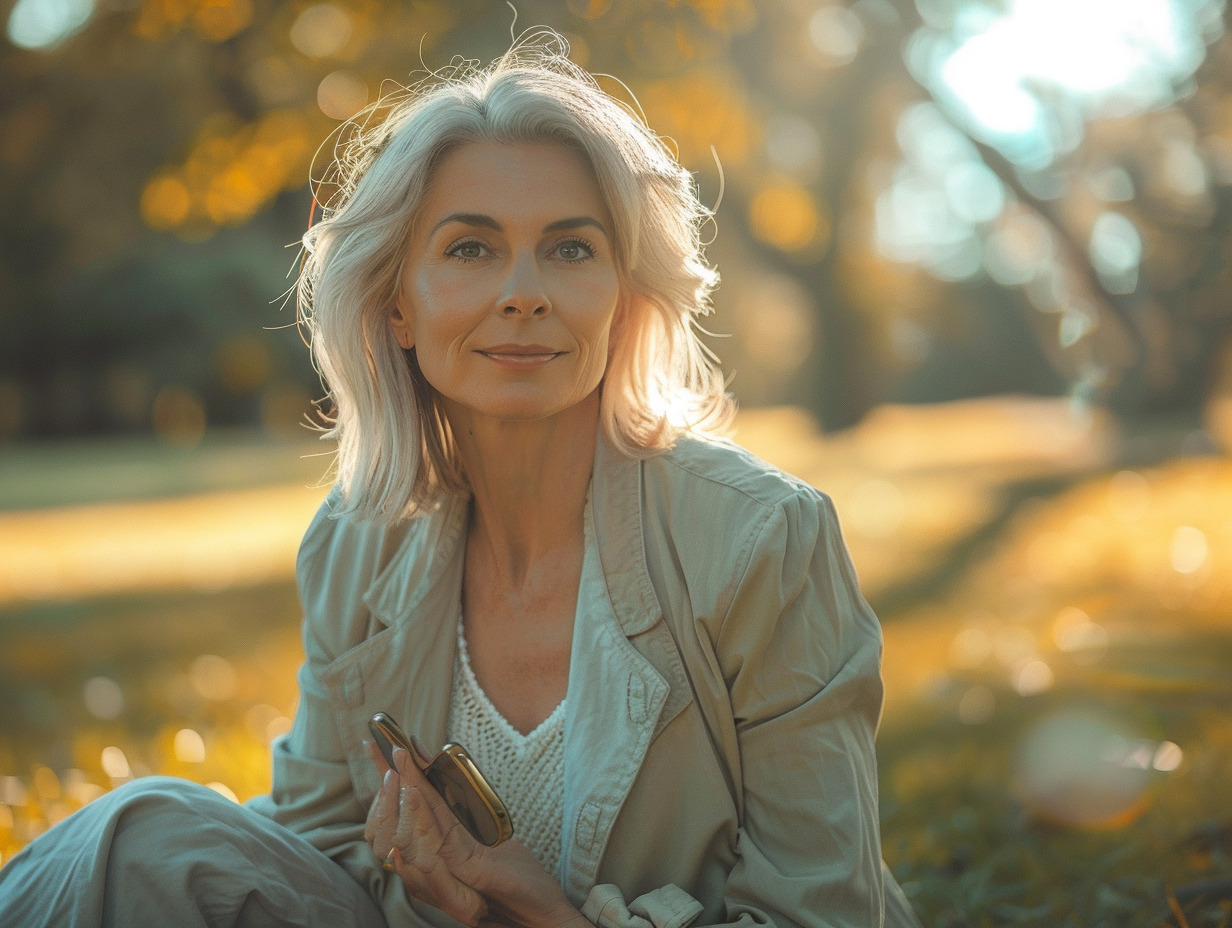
x: 443, y: 865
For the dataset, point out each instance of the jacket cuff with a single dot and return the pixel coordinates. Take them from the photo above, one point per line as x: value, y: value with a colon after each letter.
x: 666, y: 907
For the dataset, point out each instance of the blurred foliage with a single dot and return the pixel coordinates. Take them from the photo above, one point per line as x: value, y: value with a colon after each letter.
x: 878, y: 243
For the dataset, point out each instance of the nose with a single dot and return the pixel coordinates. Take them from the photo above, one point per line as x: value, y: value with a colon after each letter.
x: 523, y: 293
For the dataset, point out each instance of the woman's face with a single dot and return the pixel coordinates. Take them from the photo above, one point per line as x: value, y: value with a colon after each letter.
x: 509, y: 287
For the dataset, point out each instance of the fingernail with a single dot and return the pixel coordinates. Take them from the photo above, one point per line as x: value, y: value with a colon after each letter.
x: 390, y: 776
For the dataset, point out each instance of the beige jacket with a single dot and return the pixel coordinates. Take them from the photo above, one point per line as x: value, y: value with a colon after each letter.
x: 723, y: 695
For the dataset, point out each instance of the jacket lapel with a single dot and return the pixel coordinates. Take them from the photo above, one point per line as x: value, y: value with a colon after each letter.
x: 406, y: 667
x: 626, y: 679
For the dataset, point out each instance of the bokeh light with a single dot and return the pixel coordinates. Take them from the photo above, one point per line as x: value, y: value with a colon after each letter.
x: 787, y: 217
x: 189, y: 746
x: 1189, y: 549
x: 179, y: 416
x: 341, y: 94
x: 1086, y: 768
x: 104, y: 698
x: 115, y: 764
x: 213, y: 677
x: 1116, y: 252
x: 44, y: 24
x: 321, y: 30
x: 219, y: 20
x: 837, y: 33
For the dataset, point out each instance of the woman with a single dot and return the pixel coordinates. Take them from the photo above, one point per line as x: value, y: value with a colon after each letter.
x: 651, y: 642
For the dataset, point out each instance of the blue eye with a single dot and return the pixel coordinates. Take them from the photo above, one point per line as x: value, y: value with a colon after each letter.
x: 575, y: 250
x: 469, y: 250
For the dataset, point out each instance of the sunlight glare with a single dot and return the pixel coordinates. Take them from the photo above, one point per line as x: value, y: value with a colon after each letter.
x: 989, y: 86
x: 40, y: 25
x: 1168, y: 757
x: 1133, y: 53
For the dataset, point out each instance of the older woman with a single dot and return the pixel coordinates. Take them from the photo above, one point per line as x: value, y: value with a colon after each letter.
x: 652, y: 643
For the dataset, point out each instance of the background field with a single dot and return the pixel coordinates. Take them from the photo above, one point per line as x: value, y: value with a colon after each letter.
x: 977, y: 285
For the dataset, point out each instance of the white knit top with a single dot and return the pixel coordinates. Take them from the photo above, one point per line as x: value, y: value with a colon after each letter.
x: 527, y: 771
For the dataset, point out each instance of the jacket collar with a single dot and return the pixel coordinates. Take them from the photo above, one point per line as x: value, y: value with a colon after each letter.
x: 616, y: 498
x: 428, y: 554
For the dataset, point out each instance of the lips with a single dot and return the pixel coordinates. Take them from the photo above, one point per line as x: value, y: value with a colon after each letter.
x: 522, y: 355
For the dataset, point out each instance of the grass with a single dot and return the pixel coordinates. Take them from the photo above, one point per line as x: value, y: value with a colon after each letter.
x: 1094, y: 597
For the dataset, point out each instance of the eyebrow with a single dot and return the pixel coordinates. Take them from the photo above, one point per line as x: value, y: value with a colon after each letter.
x: 487, y: 222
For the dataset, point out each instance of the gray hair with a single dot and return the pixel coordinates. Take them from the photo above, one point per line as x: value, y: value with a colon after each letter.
x: 395, y: 450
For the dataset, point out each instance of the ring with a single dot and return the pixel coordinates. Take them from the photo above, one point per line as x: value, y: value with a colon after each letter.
x: 388, y: 864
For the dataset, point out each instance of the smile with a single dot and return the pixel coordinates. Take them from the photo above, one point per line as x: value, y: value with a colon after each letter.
x: 520, y: 357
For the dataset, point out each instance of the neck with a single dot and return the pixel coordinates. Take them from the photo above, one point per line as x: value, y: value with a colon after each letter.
x: 529, y: 482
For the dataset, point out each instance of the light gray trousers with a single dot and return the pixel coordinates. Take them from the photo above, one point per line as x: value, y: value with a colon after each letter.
x: 166, y: 852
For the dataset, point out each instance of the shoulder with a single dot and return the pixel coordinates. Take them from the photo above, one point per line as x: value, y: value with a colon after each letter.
x: 722, y: 510
x: 335, y: 540
x: 342, y: 561
x: 723, y: 475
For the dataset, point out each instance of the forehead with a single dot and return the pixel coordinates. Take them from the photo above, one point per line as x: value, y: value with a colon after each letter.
x: 512, y: 181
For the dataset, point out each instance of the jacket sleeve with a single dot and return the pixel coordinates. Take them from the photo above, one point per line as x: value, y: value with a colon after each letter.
x: 312, y: 791
x: 800, y: 652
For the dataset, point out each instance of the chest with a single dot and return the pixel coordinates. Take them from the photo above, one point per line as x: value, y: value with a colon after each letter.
x: 519, y: 643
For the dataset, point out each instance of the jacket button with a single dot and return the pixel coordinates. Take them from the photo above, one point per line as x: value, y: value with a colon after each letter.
x: 587, y: 825
x: 638, y: 709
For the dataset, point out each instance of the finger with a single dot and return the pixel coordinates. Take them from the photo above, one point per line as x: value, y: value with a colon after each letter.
x: 412, y: 776
x: 374, y: 752
x: 408, y: 770
x: 429, y: 876
x: 445, y: 820
x: 420, y: 838
x: 383, y: 816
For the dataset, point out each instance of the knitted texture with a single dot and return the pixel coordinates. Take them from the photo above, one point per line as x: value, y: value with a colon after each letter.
x: 527, y: 771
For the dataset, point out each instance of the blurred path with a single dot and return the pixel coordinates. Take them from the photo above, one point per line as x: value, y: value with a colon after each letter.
x: 909, y: 483
x: 206, y: 542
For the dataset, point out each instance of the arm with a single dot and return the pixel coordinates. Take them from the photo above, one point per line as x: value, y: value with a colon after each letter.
x: 800, y: 651
x: 312, y: 791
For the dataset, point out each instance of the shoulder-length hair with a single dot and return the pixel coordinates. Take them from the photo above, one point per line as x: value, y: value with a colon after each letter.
x: 395, y: 451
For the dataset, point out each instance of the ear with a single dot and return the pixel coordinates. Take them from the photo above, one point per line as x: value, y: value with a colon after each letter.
x: 400, y: 322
